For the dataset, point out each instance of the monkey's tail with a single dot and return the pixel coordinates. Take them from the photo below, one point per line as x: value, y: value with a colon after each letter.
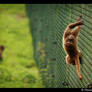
x: 77, y: 62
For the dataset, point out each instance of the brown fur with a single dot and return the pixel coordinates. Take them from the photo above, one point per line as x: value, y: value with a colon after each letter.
x: 1, y: 51
x: 70, y: 39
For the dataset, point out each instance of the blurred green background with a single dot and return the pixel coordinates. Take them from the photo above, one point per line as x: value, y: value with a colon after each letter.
x: 18, y: 68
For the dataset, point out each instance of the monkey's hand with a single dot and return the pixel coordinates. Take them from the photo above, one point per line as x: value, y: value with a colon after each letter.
x: 79, y: 18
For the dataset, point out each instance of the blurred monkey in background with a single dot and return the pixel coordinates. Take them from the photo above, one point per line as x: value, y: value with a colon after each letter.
x: 1, y: 51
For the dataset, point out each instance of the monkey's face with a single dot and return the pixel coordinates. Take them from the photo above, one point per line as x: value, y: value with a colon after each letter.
x: 70, y: 40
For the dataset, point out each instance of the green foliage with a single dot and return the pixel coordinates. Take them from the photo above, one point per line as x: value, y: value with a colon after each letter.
x: 18, y: 68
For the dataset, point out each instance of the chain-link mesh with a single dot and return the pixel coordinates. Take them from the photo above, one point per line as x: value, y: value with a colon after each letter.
x: 48, y: 22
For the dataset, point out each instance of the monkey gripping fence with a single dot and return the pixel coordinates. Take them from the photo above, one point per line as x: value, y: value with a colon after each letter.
x: 48, y: 22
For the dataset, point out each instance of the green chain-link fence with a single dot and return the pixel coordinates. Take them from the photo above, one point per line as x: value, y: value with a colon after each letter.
x: 47, y: 23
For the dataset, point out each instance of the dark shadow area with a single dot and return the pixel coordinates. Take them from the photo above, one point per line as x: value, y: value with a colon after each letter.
x: 28, y: 12
x: 38, y: 29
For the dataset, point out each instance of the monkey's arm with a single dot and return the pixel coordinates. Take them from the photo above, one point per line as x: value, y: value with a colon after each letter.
x: 70, y: 26
x: 78, y: 23
x: 76, y: 31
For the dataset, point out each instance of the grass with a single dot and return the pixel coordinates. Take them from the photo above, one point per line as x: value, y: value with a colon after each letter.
x: 18, y: 68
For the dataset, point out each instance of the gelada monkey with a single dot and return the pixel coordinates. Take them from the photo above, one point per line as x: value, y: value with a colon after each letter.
x: 1, y: 51
x: 70, y: 40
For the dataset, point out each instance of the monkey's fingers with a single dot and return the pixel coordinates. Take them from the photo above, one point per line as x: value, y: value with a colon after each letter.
x: 79, y: 18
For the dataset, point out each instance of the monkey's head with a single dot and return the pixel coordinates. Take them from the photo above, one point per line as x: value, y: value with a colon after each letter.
x: 70, y: 39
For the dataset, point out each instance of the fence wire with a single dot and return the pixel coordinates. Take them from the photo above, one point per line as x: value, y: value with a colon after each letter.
x: 48, y: 22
